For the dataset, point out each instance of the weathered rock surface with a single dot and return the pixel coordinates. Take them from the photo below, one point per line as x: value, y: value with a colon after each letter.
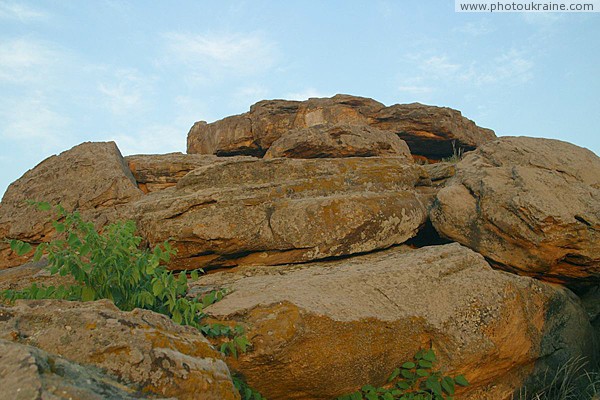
x: 29, y: 373
x: 90, y: 177
x: 333, y: 141
x: 159, y: 171
x: 283, y: 210
x: 146, y: 350
x: 324, y: 329
x: 428, y: 130
x: 529, y: 205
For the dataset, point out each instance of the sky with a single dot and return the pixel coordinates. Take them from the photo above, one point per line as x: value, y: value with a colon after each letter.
x: 141, y: 73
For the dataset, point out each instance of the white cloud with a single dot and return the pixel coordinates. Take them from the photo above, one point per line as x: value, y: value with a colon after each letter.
x: 511, y: 67
x: 34, y: 120
x: 125, y: 91
x: 306, y: 94
x: 21, y: 12
x: 210, y: 55
x: 245, y: 96
x: 24, y: 60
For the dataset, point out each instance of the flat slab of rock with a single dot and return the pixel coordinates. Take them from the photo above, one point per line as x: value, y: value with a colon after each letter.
x: 247, y: 212
x: 334, y: 141
x: 91, y: 177
x: 322, y: 330
x: 429, y: 131
x: 159, y: 171
x: 144, y: 349
x: 532, y: 206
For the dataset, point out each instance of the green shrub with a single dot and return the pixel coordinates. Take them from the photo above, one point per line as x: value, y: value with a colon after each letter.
x: 113, y: 265
x: 414, y: 380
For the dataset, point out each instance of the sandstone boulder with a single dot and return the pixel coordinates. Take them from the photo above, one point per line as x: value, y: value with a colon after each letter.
x: 321, y: 330
x: 145, y: 350
x: 429, y: 131
x: 29, y: 373
x: 333, y: 141
x: 283, y: 210
x: 529, y: 205
x: 91, y: 177
x: 159, y: 171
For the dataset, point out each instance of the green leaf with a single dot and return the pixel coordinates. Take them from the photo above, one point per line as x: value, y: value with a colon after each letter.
x: 409, y: 365
x: 157, y: 288
x: 429, y: 355
x: 422, y: 372
x: 44, y: 206
x: 461, y: 380
x: 425, y: 364
x: 434, y: 385
x: 388, y: 396
x: 88, y: 294
x: 20, y: 247
x: 448, y: 385
x: 394, y: 375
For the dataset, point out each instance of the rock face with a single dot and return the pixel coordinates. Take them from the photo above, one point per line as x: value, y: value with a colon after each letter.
x: 325, y: 329
x: 144, y: 349
x: 159, y: 171
x: 284, y: 210
x: 91, y: 177
x: 334, y: 141
x: 530, y: 205
x: 30, y: 373
x: 429, y: 131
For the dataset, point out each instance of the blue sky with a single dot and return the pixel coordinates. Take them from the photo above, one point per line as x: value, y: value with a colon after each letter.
x: 141, y: 73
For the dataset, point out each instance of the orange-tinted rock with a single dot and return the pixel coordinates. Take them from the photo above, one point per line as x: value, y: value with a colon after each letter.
x: 147, y: 350
x: 335, y: 141
x: 159, y: 171
x: 91, y: 177
x: 322, y: 330
x: 429, y: 131
x: 283, y: 210
x: 530, y: 205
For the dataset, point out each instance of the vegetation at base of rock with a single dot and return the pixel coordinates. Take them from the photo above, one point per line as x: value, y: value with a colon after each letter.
x: 113, y: 265
x: 457, y: 154
x: 246, y: 391
x: 413, y: 380
x: 575, y: 380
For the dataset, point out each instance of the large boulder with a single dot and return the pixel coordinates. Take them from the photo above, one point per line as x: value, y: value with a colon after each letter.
x: 91, y: 177
x: 144, y: 349
x: 432, y: 132
x: 283, y: 210
x: 29, y: 373
x: 333, y: 141
x: 321, y: 330
x: 529, y: 205
x: 159, y: 171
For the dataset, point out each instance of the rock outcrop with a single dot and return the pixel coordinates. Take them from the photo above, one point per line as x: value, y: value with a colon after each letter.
x: 146, y: 350
x: 325, y: 329
x: 531, y: 206
x: 27, y: 372
x: 334, y: 141
x: 283, y: 210
x: 92, y: 178
x: 159, y: 171
x: 429, y: 131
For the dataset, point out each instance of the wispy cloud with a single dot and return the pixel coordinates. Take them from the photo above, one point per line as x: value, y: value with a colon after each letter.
x: 415, y: 89
x: 24, y: 60
x: 211, y: 55
x: 154, y: 139
x: 21, y: 12
x: 34, y: 120
x: 125, y: 91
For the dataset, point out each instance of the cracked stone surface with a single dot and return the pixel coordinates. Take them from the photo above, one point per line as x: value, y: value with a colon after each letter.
x: 320, y: 330
x: 278, y: 211
x: 531, y: 206
x: 145, y: 350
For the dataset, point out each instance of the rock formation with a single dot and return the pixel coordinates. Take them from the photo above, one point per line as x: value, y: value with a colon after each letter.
x: 322, y: 330
x: 143, y: 348
x: 343, y: 255
x: 429, y: 131
x: 529, y: 205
